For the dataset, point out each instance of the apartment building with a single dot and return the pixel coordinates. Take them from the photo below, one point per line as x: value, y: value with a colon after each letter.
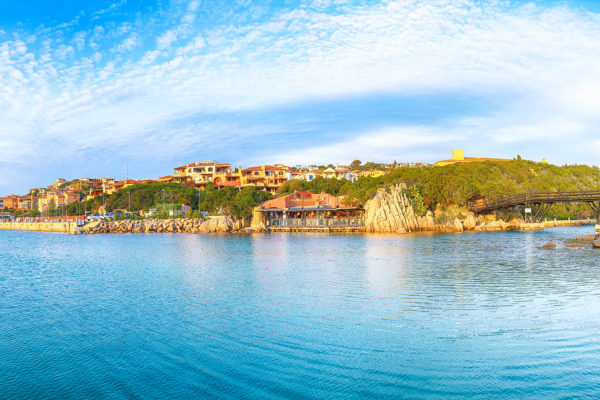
x: 202, y: 173
x: 266, y: 177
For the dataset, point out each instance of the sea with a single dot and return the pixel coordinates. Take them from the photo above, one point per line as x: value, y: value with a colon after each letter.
x: 299, y: 316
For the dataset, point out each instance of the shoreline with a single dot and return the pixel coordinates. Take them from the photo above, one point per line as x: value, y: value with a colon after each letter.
x: 227, y: 224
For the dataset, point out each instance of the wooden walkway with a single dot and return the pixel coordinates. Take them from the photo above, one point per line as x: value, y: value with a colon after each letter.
x: 591, y: 197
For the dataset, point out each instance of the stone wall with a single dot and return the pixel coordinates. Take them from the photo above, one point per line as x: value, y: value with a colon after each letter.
x: 61, y: 227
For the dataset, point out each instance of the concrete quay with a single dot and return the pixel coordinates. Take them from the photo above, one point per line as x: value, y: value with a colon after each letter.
x: 59, y: 227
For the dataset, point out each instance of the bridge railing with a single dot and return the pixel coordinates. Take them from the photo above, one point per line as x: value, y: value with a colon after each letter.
x: 534, y: 198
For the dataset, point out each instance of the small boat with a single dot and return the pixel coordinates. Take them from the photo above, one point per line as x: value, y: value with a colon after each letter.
x: 596, y: 244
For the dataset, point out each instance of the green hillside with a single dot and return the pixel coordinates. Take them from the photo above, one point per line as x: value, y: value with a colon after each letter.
x: 458, y: 183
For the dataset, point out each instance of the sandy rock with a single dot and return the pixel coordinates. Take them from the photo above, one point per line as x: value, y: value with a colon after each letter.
x: 391, y: 212
x: 470, y: 222
x: 588, y: 238
x: 457, y: 226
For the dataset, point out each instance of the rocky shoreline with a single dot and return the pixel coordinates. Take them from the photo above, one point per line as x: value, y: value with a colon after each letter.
x: 222, y: 224
x: 387, y: 212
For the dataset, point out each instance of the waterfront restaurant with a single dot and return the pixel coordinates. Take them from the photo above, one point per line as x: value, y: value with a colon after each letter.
x: 309, y: 210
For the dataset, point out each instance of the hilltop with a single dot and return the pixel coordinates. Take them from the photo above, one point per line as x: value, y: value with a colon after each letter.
x: 456, y: 184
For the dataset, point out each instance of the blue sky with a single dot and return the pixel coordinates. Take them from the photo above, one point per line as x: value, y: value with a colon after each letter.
x: 88, y: 85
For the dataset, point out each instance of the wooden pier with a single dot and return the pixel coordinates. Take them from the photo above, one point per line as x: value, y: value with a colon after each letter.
x: 533, y: 206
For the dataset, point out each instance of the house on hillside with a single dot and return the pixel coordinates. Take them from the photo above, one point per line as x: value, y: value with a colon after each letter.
x: 458, y: 157
x: 268, y: 178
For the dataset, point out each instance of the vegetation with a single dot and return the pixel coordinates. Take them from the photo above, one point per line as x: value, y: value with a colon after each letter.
x: 459, y: 183
x: 165, y: 197
x: 229, y: 200
x: 428, y: 187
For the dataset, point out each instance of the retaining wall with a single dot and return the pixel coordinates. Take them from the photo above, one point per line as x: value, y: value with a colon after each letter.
x: 62, y: 227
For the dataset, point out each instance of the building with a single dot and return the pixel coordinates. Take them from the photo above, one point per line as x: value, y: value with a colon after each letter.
x: 166, y: 178
x: 201, y: 173
x: 58, y: 183
x: 27, y: 203
x: 268, y: 178
x: 308, y: 175
x: 56, y: 198
x: 306, y: 210
x: 5, y: 217
x: 116, y: 186
x: 374, y: 173
x: 10, y: 202
x: 337, y: 173
x: 458, y: 157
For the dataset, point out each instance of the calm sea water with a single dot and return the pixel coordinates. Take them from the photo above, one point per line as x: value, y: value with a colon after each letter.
x: 294, y: 316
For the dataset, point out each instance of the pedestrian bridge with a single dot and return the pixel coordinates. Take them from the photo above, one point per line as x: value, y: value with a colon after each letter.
x: 534, y: 205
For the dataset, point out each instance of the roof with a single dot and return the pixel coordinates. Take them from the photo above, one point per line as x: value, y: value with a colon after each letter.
x: 311, y: 208
x: 229, y: 183
x: 266, y: 167
x: 204, y: 163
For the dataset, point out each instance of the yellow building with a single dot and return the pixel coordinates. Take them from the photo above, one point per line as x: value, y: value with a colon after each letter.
x: 458, y: 157
x: 56, y: 198
x: 58, y: 182
x: 201, y: 173
x: 374, y: 173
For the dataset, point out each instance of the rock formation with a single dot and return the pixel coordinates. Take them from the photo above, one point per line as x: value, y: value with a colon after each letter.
x: 392, y: 212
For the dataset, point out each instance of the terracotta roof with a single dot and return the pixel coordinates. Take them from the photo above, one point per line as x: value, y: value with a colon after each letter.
x: 267, y: 168
x: 229, y: 183
x: 204, y: 163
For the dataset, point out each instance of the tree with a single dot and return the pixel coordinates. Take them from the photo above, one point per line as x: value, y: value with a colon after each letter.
x: 355, y: 163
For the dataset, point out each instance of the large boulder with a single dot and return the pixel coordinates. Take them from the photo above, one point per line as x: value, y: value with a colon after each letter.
x: 390, y: 212
x: 470, y: 222
x: 457, y: 226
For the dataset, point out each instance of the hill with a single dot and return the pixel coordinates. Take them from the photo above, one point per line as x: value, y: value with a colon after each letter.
x: 458, y: 183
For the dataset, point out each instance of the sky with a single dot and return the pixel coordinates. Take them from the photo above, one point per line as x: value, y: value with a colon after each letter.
x: 88, y: 87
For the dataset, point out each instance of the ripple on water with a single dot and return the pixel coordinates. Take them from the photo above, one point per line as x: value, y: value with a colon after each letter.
x: 292, y: 316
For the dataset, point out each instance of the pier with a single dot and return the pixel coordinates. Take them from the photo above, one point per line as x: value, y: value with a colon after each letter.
x: 59, y: 227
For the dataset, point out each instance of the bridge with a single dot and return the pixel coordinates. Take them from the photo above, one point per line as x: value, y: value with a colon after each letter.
x: 533, y: 206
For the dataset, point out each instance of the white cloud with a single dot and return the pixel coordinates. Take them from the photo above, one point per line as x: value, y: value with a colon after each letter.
x: 166, y: 39
x: 543, y: 63
x: 382, y: 145
x: 131, y: 42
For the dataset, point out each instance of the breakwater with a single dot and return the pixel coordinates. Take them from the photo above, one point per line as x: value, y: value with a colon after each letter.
x: 60, y: 227
x: 221, y: 224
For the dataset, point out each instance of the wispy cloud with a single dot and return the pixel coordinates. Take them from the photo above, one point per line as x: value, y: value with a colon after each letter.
x: 73, y: 88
